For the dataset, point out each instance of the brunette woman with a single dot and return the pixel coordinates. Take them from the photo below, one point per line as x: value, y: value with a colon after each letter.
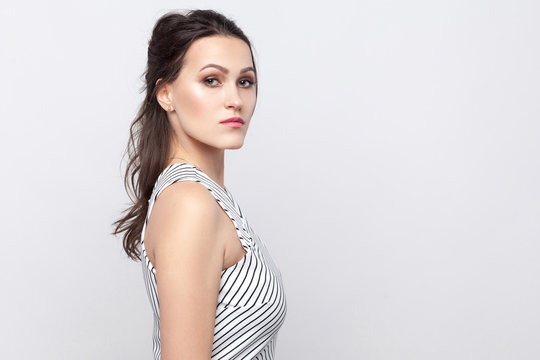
x: 213, y: 288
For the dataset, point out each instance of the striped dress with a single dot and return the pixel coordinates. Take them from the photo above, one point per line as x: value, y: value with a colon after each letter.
x: 251, y: 302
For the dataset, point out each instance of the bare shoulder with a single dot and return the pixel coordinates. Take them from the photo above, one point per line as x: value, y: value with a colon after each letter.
x: 184, y: 217
x: 188, y: 197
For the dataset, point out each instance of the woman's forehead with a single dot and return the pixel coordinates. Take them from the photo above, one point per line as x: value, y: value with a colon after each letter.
x: 228, y: 52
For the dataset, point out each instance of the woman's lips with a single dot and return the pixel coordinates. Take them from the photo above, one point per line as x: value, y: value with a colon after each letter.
x: 235, y: 122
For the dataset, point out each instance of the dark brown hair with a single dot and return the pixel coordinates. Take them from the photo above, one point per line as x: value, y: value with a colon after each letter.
x: 150, y: 133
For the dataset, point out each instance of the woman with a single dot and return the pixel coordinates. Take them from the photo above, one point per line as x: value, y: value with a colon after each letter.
x: 213, y: 288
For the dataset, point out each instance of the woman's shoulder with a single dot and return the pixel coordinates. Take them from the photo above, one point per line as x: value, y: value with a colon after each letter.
x: 171, y: 175
x: 185, y: 211
x: 186, y: 198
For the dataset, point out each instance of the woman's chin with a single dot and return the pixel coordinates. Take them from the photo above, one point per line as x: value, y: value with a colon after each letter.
x: 236, y: 145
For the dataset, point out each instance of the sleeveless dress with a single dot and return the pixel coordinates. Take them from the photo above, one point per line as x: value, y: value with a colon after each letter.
x: 251, y: 302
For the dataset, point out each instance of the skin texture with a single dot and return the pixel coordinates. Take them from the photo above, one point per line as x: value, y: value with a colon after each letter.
x: 189, y: 237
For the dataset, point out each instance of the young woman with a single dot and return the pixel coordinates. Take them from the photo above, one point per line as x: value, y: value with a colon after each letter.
x: 213, y: 288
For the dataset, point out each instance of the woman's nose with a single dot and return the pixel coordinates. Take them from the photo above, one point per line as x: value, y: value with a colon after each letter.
x: 233, y: 98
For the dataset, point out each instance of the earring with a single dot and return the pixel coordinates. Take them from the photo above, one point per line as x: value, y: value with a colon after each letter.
x: 169, y: 108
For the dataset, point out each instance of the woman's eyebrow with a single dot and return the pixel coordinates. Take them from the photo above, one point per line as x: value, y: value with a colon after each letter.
x: 225, y: 70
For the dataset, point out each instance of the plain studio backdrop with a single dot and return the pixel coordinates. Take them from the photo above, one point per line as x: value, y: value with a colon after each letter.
x: 392, y: 167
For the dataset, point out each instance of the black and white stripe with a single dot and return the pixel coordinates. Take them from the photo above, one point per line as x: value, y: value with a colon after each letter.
x: 251, y: 301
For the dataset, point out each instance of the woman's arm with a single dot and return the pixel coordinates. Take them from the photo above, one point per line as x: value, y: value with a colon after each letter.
x: 188, y: 259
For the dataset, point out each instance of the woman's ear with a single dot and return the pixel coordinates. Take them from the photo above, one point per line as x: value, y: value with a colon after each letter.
x: 163, y: 96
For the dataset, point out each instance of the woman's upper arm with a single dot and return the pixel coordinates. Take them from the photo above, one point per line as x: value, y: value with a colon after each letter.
x: 188, y: 262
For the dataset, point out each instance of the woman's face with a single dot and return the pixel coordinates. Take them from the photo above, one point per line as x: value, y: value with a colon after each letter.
x: 216, y: 83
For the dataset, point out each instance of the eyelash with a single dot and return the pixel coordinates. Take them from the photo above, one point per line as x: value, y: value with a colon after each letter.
x: 206, y: 81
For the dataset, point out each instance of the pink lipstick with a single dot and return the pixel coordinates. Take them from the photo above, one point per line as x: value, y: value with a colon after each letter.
x: 235, y: 122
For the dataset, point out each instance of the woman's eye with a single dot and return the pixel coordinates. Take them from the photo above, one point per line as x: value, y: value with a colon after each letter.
x: 211, y: 81
x: 246, y: 83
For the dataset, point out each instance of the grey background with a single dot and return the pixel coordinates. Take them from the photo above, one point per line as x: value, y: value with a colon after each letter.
x: 392, y: 167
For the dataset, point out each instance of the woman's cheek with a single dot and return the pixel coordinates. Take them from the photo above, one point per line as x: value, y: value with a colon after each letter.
x: 192, y: 101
